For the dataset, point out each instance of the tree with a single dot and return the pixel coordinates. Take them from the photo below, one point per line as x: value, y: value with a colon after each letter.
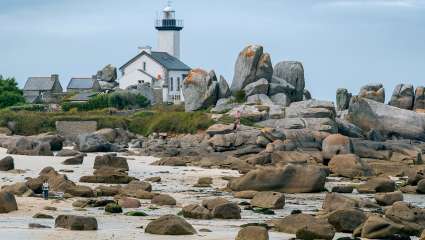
x: 10, y: 94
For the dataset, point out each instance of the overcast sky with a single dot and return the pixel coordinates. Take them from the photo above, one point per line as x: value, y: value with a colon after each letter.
x: 342, y: 43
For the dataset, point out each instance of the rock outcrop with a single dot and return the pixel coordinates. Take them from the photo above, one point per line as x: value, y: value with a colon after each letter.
x: 292, y: 73
x: 388, y: 120
x: 403, y: 96
x: 251, y: 65
x: 343, y: 98
x: 200, y: 90
x: 375, y: 92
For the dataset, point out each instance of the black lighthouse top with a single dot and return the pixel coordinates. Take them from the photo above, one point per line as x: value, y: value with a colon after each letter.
x: 168, y: 21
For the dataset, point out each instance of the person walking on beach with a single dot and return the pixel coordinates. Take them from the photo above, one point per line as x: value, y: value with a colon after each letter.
x: 237, y: 121
x: 45, y: 189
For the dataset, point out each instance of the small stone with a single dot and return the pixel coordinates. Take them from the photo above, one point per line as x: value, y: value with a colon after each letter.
x: 113, y: 208
x: 42, y: 215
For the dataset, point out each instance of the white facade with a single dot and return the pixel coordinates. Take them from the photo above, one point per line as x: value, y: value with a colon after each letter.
x: 142, y: 70
x: 169, y: 41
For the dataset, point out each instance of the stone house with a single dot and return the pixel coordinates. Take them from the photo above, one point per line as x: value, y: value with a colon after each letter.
x: 43, y: 89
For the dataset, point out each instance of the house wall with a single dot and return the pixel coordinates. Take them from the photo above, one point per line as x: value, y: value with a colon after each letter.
x: 169, y: 41
x: 132, y: 75
x: 173, y: 86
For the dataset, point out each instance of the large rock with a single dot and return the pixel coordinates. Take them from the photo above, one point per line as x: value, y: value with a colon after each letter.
x: 343, y: 98
x: 211, y: 203
x: 336, y: 201
x: 316, y: 231
x: 196, y: 211
x: 346, y: 220
x: 419, y: 104
x: 108, y: 175
x: 7, y: 202
x: 258, y: 87
x: 253, y: 233
x: 292, y: 223
x: 163, y: 199
x: 76, y: 223
x: 251, y: 65
x: 226, y: 211
x: 281, y: 99
x: 77, y: 160
x: 111, y: 161
x: 29, y: 146
x: 200, y: 90
x: 224, y: 90
x: 19, y: 188
x: 7, y: 164
x: 272, y: 200
x: 170, y: 225
x: 412, y: 218
x: 350, y: 166
x: 335, y: 144
x: 387, y: 199
x: 92, y: 142
x: 57, y: 182
x: 403, y: 96
x: 375, y: 92
x: 288, y: 179
x: 378, y: 184
x: 259, y: 99
x: 293, y: 73
x: 388, y: 120
x: 108, y: 73
x: 80, y: 191
x: 377, y: 227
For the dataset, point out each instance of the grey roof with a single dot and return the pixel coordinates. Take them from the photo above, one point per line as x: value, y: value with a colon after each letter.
x: 81, y: 83
x: 85, y: 96
x: 166, y: 60
x: 39, y: 83
x: 169, y: 62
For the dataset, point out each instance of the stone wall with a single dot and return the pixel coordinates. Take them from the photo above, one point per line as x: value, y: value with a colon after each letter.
x: 71, y: 129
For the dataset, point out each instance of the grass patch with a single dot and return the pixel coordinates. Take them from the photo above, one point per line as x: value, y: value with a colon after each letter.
x: 172, y: 122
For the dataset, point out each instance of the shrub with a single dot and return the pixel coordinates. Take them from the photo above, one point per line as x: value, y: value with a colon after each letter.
x: 239, y: 96
x: 29, y: 107
x: 113, y: 208
x: 10, y: 94
x: 118, y: 100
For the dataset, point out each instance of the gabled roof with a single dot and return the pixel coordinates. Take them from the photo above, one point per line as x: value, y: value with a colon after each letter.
x: 81, y: 83
x: 81, y: 97
x: 39, y: 84
x: 168, y: 61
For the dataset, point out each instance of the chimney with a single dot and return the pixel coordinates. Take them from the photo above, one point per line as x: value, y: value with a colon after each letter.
x: 54, y: 77
x: 147, y: 49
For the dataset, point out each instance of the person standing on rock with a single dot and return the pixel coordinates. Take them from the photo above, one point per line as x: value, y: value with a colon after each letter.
x: 45, y: 189
x: 237, y: 120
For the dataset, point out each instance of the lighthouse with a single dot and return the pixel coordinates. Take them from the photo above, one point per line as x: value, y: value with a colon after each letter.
x: 169, y: 32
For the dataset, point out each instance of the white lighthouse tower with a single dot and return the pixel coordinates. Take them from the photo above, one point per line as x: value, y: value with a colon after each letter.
x: 169, y: 32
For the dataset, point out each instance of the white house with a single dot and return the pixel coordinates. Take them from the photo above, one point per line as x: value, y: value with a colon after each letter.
x: 162, y: 69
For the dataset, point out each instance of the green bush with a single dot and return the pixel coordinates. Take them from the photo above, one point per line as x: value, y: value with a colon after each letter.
x: 29, y: 107
x: 239, y: 96
x: 10, y: 94
x: 113, y: 208
x: 118, y: 100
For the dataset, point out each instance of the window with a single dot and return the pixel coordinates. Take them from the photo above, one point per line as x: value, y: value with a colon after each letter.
x: 171, y: 83
x: 178, y: 83
x: 144, y: 66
